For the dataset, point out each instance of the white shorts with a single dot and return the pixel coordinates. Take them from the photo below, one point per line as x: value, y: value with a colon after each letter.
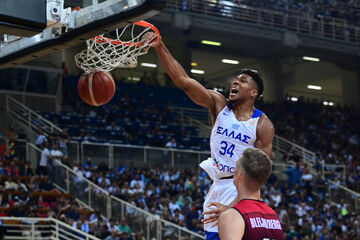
x: 221, y: 191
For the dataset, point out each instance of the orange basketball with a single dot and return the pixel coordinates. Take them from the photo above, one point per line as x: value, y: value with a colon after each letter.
x: 96, y: 88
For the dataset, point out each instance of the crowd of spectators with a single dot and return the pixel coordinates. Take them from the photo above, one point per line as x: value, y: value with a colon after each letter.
x: 329, y: 18
x: 28, y: 192
x: 331, y: 132
x: 347, y: 10
x: 130, y: 119
x: 177, y: 196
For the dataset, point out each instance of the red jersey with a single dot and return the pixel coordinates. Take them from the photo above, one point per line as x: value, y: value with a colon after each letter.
x: 261, y: 221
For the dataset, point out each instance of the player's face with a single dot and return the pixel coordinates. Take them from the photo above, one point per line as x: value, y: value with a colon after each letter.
x: 242, y: 88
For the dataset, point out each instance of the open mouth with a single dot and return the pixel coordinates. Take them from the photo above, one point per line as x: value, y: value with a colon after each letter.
x: 234, y: 91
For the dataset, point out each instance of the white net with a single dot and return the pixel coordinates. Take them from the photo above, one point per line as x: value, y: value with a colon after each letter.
x: 104, y: 54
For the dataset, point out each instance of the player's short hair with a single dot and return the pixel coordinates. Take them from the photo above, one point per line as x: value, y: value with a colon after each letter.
x: 257, y: 79
x: 256, y: 165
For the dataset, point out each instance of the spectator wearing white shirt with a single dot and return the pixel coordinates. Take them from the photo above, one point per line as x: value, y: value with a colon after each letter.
x: 56, y: 154
x: 173, y: 206
x: 137, y: 180
x: 44, y: 160
x: 170, y: 144
x: 306, y: 180
x: 276, y: 197
x: 40, y: 138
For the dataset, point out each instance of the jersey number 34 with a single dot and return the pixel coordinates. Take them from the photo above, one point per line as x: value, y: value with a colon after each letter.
x: 226, y: 148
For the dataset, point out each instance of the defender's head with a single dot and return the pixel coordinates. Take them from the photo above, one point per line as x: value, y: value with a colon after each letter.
x: 248, y: 84
x: 252, y: 169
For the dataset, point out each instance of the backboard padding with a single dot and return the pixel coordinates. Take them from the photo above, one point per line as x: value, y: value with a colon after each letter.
x: 54, y: 38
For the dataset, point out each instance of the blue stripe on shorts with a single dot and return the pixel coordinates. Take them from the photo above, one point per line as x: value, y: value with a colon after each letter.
x: 212, y: 235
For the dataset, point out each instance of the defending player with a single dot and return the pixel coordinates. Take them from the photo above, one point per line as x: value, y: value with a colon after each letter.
x: 250, y: 218
x: 236, y: 123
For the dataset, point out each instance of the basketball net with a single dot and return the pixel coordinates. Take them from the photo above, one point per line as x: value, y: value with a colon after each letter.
x: 104, y: 54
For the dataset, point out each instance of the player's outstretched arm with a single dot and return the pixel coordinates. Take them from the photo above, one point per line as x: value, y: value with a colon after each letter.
x: 265, y: 134
x: 231, y: 225
x: 198, y: 93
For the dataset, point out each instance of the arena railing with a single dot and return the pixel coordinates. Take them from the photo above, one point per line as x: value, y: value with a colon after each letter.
x: 197, y: 114
x: 28, y: 117
x: 24, y: 228
x: 35, y: 121
x: 96, y: 198
x: 116, y: 154
x: 328, y: 27
x: 31, y: 99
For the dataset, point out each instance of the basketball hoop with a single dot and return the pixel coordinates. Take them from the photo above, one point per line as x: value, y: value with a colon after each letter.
x: 104, y: 54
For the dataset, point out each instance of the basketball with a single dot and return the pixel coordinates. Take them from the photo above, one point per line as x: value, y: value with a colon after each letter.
x: 96, y: 88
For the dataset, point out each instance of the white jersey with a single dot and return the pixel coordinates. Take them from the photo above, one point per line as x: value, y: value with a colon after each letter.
x: 230, y: 137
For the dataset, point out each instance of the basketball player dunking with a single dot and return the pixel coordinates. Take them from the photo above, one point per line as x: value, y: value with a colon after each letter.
x: 236, y: 125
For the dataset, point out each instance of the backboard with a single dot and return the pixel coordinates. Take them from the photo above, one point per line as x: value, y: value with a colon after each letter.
x: 67, y: 27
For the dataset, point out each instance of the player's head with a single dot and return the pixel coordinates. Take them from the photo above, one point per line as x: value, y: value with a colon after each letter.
x: 248, y: 84
x: 252, y: 169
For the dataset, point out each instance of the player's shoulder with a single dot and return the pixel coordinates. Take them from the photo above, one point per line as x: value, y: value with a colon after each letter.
x: 217, y: 96
x: 219, y: 101
x: 265, y: 124
x: 231, y: 215
x: 265, y: 120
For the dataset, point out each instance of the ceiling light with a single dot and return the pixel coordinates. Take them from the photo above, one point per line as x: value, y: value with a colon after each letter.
x: 229, y: 61
x: 325, y: 103
x: 313, y: 59
x: 294, y: 99
x: 151, y: 65
x: 197, y: 71
x: 134, y: 78
x: 219, y: 89
x: 194, y: 64
x: 212, y: 43
x: 314, y: 87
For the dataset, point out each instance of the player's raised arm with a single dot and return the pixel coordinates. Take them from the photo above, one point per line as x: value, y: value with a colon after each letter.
x: 198, y: 93
x: 265, y: 135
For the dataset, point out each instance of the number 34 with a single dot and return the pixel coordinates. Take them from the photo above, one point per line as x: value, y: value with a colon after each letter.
x: 226, y: 148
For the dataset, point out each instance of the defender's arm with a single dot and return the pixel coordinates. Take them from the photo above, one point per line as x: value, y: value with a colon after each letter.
x: 231, y: 225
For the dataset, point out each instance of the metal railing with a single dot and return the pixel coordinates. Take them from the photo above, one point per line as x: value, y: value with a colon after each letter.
x: 32, y: 100
x: 40, y: 229
x: 328, y: 27
x: 114, y: 154
x: 201, y: 115
x: 35, y: 121
x: 97, y: 198
x: 28, y: 117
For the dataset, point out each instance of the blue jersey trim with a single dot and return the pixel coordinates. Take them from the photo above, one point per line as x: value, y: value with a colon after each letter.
x: 257, y: 113
x: 212, y: 235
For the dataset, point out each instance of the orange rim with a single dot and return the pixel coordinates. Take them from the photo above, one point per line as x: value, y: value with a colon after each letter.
x: 102, y: 39
x: 76, y: 8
